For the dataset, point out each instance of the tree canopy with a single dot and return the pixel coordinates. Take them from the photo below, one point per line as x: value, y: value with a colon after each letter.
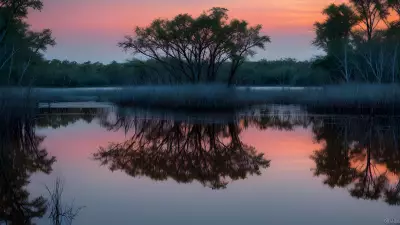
x: 360, y: 41
x: 194, y: 49
x: 395, y: 5
x: 338, y: 25
x: 20, y: 47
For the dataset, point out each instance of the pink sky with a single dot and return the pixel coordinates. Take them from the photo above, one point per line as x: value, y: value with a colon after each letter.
x: 90, y: 29
x: 116, y: 198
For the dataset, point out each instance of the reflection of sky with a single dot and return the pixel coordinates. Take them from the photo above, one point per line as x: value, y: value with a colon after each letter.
x: 286, y: 193
x: 97, y: 25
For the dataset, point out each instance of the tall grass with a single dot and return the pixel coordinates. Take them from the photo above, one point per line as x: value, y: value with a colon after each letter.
x: 16, y: 100
x: 220, y: 96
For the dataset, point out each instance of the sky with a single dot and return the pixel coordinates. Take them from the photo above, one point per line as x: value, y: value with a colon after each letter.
x: 89, y: 30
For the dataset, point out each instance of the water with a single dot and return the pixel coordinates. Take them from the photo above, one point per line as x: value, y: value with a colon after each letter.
x: 269, y: 165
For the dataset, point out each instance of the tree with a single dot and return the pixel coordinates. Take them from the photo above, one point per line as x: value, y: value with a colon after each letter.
x: 334, y: 34
x: 369, y: 54
x: 337, y: 26
x: 371, y: 13
x: 15, y: 10
x: 20, y: 46
x: 395, y: 5
x: 194, y: 49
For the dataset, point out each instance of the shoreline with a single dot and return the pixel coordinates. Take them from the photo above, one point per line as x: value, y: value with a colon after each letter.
x: 218, y: 96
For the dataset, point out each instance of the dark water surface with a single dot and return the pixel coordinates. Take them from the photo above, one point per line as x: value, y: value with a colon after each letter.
x: 270, y: 165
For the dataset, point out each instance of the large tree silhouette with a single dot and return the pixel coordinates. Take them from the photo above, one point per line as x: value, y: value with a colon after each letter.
x: 194, y: 49
x: 20, y: 46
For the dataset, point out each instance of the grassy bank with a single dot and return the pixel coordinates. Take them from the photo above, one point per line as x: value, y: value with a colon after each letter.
x: 219, y: 96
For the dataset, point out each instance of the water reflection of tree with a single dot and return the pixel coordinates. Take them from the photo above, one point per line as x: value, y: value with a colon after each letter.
x: 353, y: 150
x: 280, y: 118
x: 20, y: 157
x: 62, y: 117
x: 211, y: 154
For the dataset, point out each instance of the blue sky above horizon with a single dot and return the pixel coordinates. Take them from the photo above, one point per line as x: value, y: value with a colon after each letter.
x: 89, y: 30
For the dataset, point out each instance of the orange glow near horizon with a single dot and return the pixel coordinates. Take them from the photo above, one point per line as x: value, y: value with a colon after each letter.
x: 98, y: 25
x: 287, y: 150
x: 285, y: 16
x: 377, y: 168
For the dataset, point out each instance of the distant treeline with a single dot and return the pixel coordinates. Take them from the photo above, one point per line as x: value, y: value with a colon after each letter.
x: 58, y: 73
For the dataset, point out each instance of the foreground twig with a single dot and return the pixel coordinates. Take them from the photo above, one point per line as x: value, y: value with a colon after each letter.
x: 59, y: 212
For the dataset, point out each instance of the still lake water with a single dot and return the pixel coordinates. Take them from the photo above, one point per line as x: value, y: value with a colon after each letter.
x: 269, y: 165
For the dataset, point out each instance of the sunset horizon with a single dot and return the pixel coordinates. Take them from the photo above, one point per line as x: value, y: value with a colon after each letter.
x: 99, y: 26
